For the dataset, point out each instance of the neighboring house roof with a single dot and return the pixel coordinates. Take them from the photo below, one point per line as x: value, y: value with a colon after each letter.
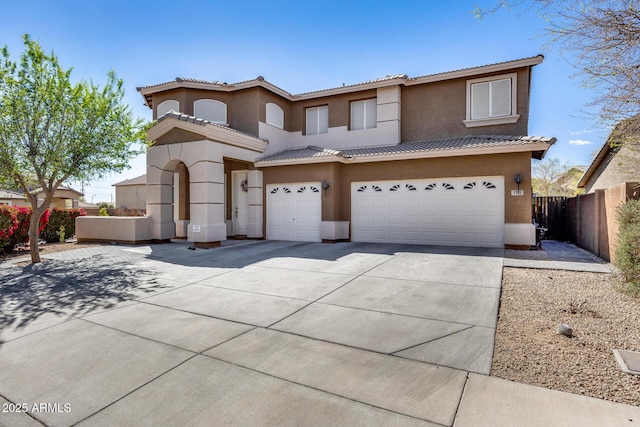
x: 624, y: 134
x: 468, y: 145
x: 85, y: 205
x: 391, y: 80
x: 602, y: 154
x: 61, y: 188
x: 138, y: 180
x: 6, y: 194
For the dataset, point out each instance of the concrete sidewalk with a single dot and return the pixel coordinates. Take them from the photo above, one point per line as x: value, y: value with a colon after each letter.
x: 266, y: 333
x: 554, y: 255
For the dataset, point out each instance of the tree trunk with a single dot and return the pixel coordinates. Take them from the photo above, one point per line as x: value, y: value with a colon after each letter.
x: 34, y: 224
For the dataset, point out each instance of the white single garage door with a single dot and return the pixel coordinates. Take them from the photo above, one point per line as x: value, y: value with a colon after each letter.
x: 444, y: 211
x: 294, y: 211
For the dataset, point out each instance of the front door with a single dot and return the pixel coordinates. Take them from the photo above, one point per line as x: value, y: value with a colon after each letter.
x: 240, y: 204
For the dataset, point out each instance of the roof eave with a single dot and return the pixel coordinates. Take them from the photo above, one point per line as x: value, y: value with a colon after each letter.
x: 411, y: 155
x: 208, y: 131
x: 594, y: 165
x: 485, y: 69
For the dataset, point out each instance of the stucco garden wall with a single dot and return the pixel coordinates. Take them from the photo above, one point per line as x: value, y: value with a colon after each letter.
x: 132, y: 230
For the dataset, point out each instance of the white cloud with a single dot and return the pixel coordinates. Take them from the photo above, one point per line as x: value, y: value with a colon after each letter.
x: 579, y: 142
x: 580, y: 132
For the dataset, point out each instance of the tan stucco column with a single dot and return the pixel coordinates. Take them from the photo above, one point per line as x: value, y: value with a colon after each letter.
x: 160, y: 194
x: 207, y: 227
x: 254, y: 225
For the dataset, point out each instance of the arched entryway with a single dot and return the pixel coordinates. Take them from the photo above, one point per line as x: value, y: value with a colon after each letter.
x: 186, y: 192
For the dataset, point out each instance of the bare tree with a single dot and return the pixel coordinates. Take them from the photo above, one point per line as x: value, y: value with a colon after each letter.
x: 552, y: 177
x: 601, y: 39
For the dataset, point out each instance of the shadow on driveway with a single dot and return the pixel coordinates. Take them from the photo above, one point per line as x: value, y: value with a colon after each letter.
x: 244, y: 254
x: 68, y: 288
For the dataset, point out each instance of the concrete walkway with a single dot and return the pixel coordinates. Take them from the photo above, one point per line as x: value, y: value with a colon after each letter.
x: 556, y: 255
x: 266, y: 333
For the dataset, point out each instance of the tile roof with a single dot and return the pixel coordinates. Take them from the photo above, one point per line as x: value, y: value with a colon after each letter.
x: 201, y: 122
x: 307, y: 152
x: 6, y: 194
x: 378, y: 80
x: 495, y: 64
x: 403, y: 79
x: 467, y: 142
x: 138, y: 180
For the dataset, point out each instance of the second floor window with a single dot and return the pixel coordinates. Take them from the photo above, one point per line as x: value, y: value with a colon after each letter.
x: 275, y: 115
x: 364, y: 114
x: 317, y: 120
x: 491, y: 99
x: 210, y: 109
x: 167, y: 106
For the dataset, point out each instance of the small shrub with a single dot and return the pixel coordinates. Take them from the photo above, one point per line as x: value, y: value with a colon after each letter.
x: 628, y: 251
x: 103, y: 212
x: 61, y: 219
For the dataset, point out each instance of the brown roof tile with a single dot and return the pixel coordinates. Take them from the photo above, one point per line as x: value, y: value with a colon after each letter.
x: 467, y: 142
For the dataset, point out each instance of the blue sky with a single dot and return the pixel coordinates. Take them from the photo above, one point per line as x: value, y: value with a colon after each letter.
x: 299, y: 46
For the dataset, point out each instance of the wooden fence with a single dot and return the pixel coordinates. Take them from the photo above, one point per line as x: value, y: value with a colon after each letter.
x: 551, y: 213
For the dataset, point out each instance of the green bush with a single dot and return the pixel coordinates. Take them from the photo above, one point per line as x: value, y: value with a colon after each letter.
x: 103, y: 212
x: 627, y: 257
x: 61, y: 219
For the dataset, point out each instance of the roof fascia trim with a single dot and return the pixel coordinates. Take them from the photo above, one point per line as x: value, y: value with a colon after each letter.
x: 210, y: 132
x: 485, y: 69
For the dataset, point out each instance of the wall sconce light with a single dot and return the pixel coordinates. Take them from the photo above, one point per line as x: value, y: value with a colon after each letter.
x: 325, y: 185
x: 518, y: 180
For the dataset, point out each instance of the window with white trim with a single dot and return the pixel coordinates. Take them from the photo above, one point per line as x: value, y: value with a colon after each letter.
x: 210, y: 109
x: 364, y: 114
x: 275, y: 115
x: 167, y: 106
x: 492, y: 100
x: 317, y: 120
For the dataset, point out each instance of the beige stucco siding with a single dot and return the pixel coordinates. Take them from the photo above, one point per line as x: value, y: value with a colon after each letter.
x: 614, y: 170
x: 242, y: 105
x: 438, y: 110
x: 131, y: 196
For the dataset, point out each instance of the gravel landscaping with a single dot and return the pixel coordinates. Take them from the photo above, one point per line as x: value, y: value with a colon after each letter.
x: 527, y: 349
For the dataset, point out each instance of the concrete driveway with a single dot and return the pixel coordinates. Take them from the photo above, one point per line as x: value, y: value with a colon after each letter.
x: 255, y: 333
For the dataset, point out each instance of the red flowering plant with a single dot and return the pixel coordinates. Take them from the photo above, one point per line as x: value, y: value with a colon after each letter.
x: 8, y: 225
x: 20, y: 236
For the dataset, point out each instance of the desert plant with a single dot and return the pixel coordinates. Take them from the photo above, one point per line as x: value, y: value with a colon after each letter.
x: 627, y: 257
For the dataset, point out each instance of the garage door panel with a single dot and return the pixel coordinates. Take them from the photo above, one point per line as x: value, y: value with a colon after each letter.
x: 465, y: 211
x: 294, y: 211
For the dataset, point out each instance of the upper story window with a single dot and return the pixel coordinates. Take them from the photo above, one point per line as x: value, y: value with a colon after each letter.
x: 317, y: 120
x: 364, y: 114
x: 166, y: 106
x: 492, y: 100
x: 275, y: 115
x: 210, y: 109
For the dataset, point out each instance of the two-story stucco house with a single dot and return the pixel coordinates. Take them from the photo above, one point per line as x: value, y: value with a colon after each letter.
x: 440, y: 159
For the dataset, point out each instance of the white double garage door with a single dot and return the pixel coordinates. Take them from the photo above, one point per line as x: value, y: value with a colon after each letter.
x: 445, y: 211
